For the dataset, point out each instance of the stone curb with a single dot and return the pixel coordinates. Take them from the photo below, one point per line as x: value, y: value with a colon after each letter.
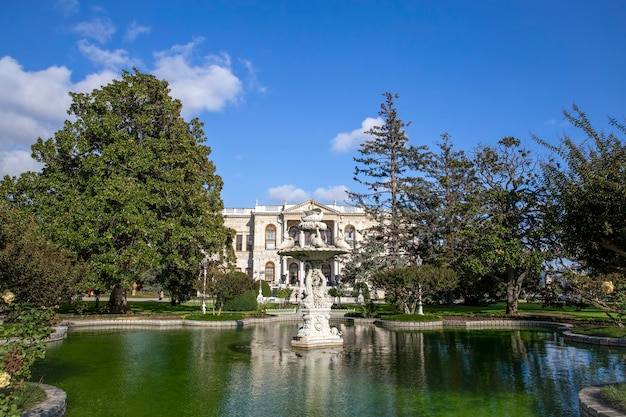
x: 595, y: 340
x: 591, y: 405
x: 54, y: 405
x: 475, y: 324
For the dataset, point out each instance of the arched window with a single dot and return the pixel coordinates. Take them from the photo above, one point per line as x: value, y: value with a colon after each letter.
x: 349, y: 235
x: 270, y: 237
x: 294, y: 270
x: 294, y: 232
x: 270, y: 271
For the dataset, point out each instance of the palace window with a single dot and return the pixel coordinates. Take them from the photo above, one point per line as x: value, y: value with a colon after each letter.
x: 294, y: 232
x: 294, y: 270
x: 270, y: 237
x: 239, y: 243
x: 270, y: 272
x: 349, y: 234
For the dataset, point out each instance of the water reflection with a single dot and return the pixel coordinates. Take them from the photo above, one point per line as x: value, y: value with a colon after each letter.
x: 255, y: 371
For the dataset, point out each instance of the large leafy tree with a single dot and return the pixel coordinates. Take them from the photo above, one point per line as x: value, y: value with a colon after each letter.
x: 127, y: 186
x: 385, y: 168
x: 506, y: 232
x: 587, y: 185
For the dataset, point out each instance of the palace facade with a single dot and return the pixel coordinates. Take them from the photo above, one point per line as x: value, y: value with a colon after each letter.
x: 261, y: 229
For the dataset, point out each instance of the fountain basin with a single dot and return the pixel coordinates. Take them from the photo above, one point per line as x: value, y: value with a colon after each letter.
x: 254, y: 370
x: 308, y: 254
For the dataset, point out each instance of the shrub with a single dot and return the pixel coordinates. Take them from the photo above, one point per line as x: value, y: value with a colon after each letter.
x: 23, y: 337
x: 265, y: 289
x: 244, y: 302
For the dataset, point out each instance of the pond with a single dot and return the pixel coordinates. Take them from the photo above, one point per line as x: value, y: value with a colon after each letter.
x: 254, y: 371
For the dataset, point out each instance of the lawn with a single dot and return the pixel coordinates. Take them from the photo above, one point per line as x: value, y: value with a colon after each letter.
x: 190, y: 309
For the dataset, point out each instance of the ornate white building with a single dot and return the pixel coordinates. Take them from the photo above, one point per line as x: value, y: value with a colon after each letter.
x: 261, y: 229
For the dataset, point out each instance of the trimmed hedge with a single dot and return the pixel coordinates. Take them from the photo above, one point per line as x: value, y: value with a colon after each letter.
x: 244, y: 302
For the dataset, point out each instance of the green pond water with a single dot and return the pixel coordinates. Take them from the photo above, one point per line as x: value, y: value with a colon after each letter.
x: 254, y: 371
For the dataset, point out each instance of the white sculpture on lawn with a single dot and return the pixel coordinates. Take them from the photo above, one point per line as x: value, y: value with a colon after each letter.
x: 315, y: 330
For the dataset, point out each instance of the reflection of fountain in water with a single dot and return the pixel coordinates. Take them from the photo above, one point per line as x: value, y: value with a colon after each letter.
x: 315, y: 330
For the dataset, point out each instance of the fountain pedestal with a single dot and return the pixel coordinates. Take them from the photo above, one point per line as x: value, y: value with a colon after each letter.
x: 316, y: 331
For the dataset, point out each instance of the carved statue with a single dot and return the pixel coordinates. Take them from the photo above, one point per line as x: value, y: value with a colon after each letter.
x: 288, y: 243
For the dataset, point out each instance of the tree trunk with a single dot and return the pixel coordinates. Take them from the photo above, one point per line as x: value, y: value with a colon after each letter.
x: 513, y: 289
x: 117, y: 302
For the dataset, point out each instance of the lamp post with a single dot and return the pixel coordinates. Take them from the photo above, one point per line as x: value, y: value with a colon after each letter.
x: 205, y: 265
x: 420, y: 308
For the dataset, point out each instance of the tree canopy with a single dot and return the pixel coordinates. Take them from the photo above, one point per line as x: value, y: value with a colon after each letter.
x: 507, y: 231
x: 587, y: 185
x: 127, y: 186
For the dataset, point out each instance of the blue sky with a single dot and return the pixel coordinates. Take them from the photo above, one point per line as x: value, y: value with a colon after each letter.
x: 286, y: 88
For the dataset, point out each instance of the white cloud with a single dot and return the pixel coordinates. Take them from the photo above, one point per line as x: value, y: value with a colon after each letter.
x: 34, y: 104
x: 347, y: 141
x: 287, y: 192
x: 332, y: 194
x: 252, y: 80
x: 206, y: 87
x: 67, y: 7
x: 135, y: 29
x: 111, y: 60
x: 16, y: 162
x: 100, y: 29
x: 95, y: 81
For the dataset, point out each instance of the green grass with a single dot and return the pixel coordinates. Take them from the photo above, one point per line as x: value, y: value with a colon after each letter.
x: 594, y: 322
x: 615, y: 395
x: 602, y: 331
x: 32, y: 395
x: 153, y: 308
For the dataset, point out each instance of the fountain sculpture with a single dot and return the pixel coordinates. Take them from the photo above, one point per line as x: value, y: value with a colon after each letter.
x: 315, y: 330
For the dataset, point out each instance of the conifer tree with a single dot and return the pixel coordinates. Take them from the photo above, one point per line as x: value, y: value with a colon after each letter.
x: 386, y: 170
x: 587, y: 186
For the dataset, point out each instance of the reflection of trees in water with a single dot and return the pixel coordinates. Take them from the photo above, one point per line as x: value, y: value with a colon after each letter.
x: 529, y: 368
x: 255, y: 371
